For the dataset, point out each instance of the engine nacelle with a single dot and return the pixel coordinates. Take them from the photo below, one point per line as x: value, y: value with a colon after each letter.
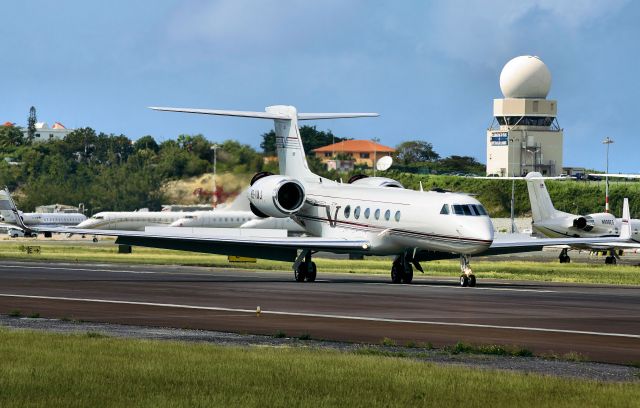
x: 600, y: 222
x: 276, y: 196
x: 362, y: 180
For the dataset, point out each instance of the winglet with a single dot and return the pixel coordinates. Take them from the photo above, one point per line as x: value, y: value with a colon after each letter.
x: 625, y: 227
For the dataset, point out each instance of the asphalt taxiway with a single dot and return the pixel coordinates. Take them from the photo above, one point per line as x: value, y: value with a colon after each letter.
x: 601, y: 322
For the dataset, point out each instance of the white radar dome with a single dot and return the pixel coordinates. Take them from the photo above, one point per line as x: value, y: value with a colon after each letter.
x: 525, y: 77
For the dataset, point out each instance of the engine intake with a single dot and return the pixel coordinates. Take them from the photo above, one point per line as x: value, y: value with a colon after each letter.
x: 276, y: 196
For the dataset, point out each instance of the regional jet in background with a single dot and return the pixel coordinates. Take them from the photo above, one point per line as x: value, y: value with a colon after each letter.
x: 369, y: 216
x: 235, y: 215
x: 553, y: 223
x: 35, y: 219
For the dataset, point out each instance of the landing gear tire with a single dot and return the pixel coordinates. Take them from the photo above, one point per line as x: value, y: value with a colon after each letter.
x: 407, y: 277
x: 300, y: 273
x: 95, y: 239
x: 464, y: 281
x: 564, y: 256
x: 610, y: 260
x: 472, y: 280
x: 311, y: 271
x: 396, y: 273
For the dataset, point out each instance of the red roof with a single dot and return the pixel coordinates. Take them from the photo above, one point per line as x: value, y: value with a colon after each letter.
x: 355, y: 146
x: 8, y: 124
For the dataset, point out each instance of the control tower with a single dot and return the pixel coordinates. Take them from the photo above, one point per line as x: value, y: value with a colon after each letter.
x: 524, y: 135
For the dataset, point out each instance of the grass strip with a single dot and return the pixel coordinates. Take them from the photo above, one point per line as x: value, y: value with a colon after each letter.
x: 45, y: 369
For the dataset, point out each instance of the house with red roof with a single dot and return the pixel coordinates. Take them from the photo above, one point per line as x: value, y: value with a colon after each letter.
x: 365, y: 152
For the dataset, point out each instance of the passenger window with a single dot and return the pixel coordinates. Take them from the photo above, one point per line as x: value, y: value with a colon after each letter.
x: 445, y: 209
x: 356, y: 212
x: 377, y: 214
x: 367, y: 212
x: 347, y: 211
x: 397, y: 216
x: 387, y: 215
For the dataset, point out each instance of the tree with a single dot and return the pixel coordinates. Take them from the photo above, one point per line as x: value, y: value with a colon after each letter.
x: 31, y: 125
x: 415, y: 151
x: 311, y: 139
x: 146, y: 142
x: 10, y: 137
x: 463, y: 164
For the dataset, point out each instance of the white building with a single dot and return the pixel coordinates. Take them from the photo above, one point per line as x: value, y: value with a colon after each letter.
x: 524, y: 135
x: 44, y: 133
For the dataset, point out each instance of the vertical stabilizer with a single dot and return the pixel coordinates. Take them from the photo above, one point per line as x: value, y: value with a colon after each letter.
x: 289, y: 146
x: 625, y: 226
x: 541, y: 204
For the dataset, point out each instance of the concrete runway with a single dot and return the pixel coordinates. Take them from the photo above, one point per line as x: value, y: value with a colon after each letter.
x: 599, y: 321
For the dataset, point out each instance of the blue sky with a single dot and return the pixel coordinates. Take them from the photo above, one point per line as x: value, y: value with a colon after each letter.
x: 431, y: 69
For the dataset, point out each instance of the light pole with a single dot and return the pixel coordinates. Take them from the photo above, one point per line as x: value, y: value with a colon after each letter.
x: 375, y: 153
x: 214, y: 196
x: 607, y: 141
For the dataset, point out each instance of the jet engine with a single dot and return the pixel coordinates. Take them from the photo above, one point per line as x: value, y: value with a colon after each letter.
x: 363, y: 180
x: 601, y: 222
x: 275, y: 196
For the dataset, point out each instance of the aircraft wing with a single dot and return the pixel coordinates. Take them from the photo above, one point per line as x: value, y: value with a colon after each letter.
x: 509, y: 245
x: 619, y: 175
x: 274, y: 248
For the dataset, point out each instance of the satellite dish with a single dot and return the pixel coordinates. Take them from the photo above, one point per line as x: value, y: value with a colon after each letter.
x: 384, y: 163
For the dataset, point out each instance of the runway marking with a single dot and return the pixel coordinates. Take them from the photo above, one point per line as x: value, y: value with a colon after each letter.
x: 327, y: 316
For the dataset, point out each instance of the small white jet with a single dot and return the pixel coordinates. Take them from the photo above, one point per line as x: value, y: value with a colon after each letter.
x: 235, y: 215
x: 553, y: 223
x: 369, y: 216
x: 35, y: 219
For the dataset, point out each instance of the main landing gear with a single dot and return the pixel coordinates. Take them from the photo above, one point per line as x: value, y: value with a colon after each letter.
x: 564, y: 256
x: 610, y: 259
x: 401, y: 270
x: 304, y: 270
x: 467, y: 278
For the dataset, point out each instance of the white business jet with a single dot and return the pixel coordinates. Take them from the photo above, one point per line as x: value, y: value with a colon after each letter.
x: 35, y: 219
x: 370, y: 216
x: 553, y: 223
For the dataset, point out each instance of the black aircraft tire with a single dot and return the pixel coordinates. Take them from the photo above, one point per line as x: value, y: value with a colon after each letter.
x: 407, y: 276
x: 472, y: 280
x: 299, y: 273
x: 464, y: 281
x: 396, y: 274
x: 311, y: 272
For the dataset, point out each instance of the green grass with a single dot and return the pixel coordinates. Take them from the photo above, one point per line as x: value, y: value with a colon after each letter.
x: 513, y: 270
x: 493, y: 349
x: 43, y: 369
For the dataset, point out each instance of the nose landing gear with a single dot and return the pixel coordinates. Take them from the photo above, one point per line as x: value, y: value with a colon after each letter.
x: 467, y: 278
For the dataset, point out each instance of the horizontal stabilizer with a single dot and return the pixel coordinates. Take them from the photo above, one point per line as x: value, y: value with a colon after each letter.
x: 265, y: 115
x: 246, y: 114
x: 313, y: 116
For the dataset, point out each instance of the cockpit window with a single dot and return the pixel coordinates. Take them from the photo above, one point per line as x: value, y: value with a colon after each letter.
x: 445, y: 209
x: 189, y: 217
x: 469, y: 209
x: 98, y: 217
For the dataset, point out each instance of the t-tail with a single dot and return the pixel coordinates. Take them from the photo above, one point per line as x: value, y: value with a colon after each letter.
x: 541, y: 204
x: 9, y: 210
x: 291, y: 155
x: 625, y: 226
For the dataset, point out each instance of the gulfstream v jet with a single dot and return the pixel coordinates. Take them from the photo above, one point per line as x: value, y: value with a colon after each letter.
x: 369, y: 216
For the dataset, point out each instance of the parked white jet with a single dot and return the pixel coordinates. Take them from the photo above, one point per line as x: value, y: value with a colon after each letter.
x: 235, y: 215
x: 370, y: 216
x: 553, y: 223
x: 35, y: 219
